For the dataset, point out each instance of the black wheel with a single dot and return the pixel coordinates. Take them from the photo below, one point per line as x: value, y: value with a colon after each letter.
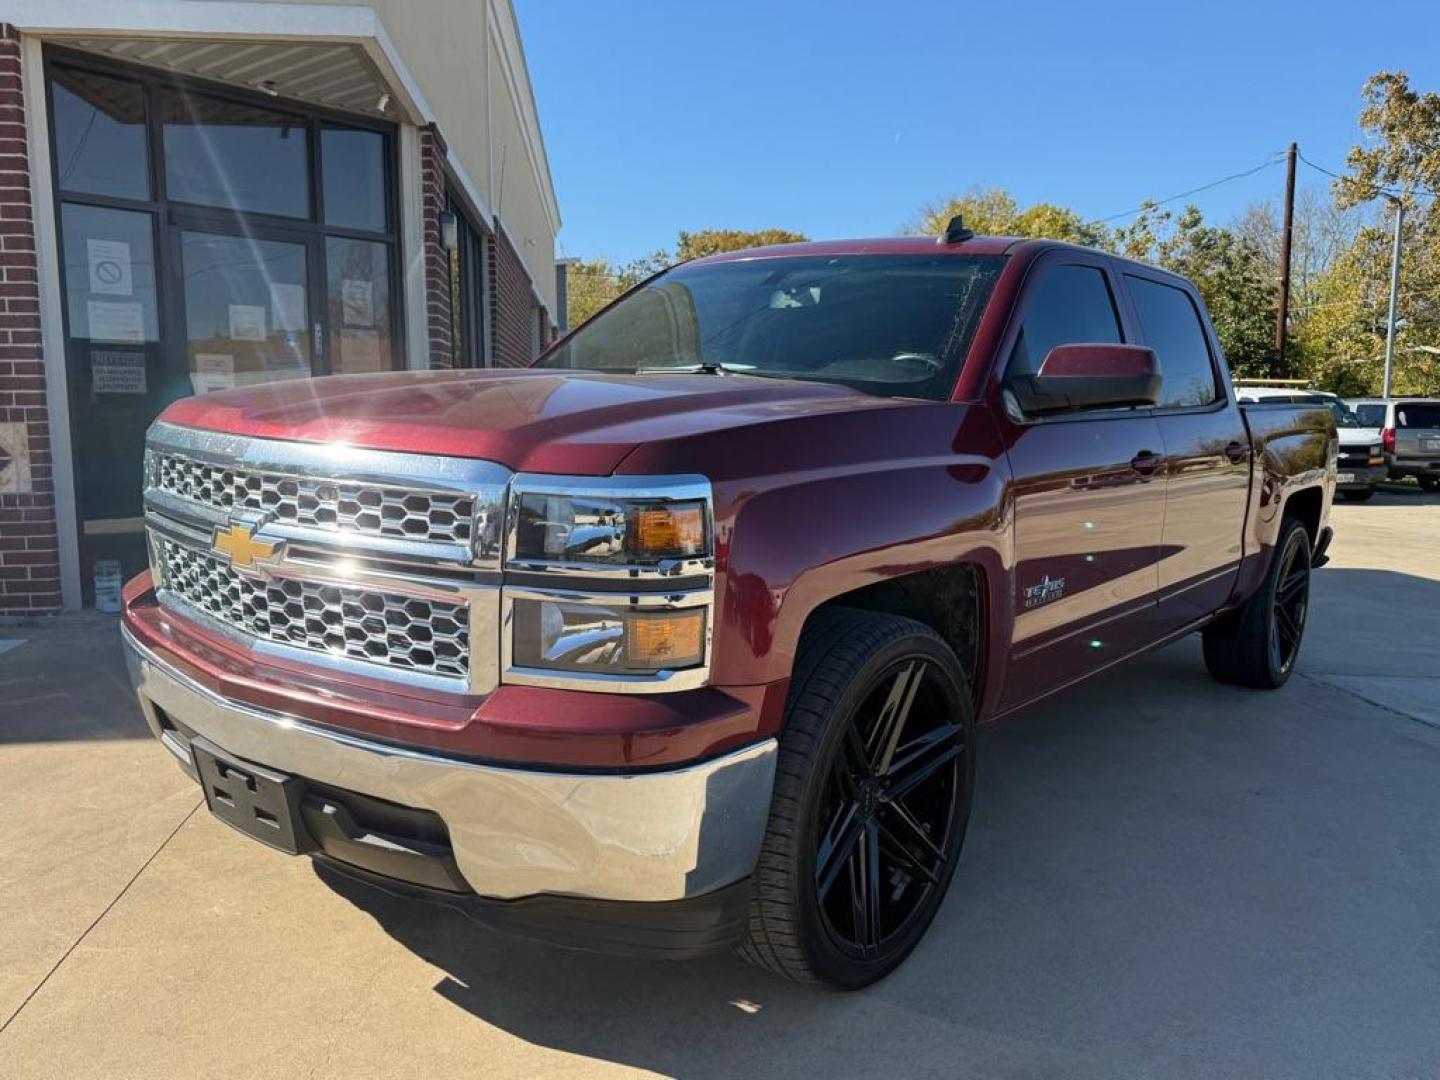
x: 1357, y: 496
x: 872, y: 795
x: 1430, y: 483
x: 1257, y: 645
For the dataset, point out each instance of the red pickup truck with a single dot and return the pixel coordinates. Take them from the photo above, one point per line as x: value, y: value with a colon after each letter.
x: 680, y: 638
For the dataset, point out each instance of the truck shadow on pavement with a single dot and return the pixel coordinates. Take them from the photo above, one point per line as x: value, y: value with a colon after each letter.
x: 1163, y: 876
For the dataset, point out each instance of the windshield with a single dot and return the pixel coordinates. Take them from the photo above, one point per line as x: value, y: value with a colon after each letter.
x: 1370, y: 414
x: 1344, y: 416
x: 893, y: 325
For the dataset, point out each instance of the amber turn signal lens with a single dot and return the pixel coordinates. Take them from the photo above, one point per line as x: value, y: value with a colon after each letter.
x: 668, y: 640
x: 669, y: 532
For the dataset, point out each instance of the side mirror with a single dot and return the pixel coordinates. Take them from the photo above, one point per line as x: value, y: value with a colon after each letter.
x: 1098, y: 376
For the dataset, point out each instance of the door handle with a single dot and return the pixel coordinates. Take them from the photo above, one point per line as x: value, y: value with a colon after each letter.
x: 1237, y: 452
x: 1145, y: 462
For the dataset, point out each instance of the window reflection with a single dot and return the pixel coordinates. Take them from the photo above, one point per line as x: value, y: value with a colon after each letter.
x: 353, y: 164
x: 237, y: 155
x: 99, y: 135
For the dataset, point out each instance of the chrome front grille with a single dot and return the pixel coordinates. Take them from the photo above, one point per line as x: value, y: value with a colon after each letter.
x: 424, y: 635
x: 381, y: 563
x: 319, y: 502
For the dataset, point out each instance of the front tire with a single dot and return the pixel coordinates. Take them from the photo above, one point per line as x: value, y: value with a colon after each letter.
x: 872, y: 796
x: 1257, y: 645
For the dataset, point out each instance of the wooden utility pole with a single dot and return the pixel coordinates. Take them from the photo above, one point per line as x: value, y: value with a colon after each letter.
x: 1282, y: 310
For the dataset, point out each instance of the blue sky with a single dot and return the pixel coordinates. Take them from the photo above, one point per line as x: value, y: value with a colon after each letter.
x: 840, y: 118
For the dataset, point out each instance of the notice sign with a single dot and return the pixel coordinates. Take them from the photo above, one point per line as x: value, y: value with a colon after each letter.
x: 109, y: 267
x: 357, y: 303
x: 114, y: 371
x: 110, y: 321
x: 212, y: 372
x: 287, y: 307
x: 247, y: 322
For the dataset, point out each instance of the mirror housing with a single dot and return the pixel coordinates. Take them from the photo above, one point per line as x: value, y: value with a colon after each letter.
x: 1089, y: 376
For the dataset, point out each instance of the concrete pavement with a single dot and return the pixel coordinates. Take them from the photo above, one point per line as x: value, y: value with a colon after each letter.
x: 1164, y: 878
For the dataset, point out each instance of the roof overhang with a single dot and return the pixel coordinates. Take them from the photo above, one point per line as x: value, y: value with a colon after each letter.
x: 333, y: 55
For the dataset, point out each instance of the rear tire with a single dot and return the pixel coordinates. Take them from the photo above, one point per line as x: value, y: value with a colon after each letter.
x: 872, y: 796
x: 1430, y: 483
x: 1357, y: 496
x: 1257, y: 644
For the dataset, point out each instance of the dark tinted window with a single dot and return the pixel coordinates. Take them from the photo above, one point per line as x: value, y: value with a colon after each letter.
x: 893, y: 325
x: 353, y: 163
x: 100, y: 135
x: 1371, y: 414
x: 233, y: 154
x: 1172, y: 328
x: 1070, y: 305
x: 1417, y: 414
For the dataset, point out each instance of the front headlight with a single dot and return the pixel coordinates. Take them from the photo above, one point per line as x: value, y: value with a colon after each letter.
x: 615, y: 639
x: 604, y: 529
x: 572, y: 545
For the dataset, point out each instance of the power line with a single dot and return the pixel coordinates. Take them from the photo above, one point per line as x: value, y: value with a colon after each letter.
x: 1274, y: 159
x: 1382, y: 190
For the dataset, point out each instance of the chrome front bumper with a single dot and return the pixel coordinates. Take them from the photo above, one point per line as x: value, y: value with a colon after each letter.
x: 658, y: 836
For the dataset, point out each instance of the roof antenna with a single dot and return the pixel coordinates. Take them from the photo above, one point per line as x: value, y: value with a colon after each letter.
x: 955, y: 232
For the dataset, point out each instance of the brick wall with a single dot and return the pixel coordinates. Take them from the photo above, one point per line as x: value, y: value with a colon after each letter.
x: 437, y: 259
x: 512, y: 305
x: 29, y: 549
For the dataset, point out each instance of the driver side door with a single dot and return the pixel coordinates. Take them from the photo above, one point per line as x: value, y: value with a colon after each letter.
x: 1086, y: 497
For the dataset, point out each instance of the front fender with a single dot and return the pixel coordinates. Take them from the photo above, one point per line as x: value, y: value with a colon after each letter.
x: 798, y: 544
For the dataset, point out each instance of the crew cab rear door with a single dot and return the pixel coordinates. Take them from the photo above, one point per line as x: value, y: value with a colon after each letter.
x: 1087, y: 497
x: 1207, y: 452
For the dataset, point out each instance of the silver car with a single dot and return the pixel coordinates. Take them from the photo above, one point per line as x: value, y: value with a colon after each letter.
x: 1410, y: 435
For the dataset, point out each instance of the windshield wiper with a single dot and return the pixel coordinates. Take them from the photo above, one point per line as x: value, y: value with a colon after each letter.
x: 707, y: 367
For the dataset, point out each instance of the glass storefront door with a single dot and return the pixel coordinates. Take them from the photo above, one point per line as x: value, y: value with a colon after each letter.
x: 247, y: 309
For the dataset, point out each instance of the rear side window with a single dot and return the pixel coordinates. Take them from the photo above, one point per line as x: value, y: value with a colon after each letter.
x: 1417, y: 414
x: 1173, y: 329
x: 1071, y: 305
x: 1371, y: 414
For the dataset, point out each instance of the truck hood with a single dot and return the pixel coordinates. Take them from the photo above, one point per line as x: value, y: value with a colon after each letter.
x: 534, y: 420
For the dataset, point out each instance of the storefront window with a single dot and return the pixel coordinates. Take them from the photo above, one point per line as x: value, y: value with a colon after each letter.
x: 204, y: 259
x: 353, y: 164
x: 100, y: 145
x: 235, y: 155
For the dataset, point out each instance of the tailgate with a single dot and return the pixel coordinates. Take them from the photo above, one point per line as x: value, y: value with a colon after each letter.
x: 1417, y: 429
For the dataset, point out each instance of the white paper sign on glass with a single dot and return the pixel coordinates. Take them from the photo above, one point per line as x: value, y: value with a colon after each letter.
x: 247, y: 322
x: 357, y: 303
x: 112, y: 321
x: 210, y: 372
x: 109, y: 267
x: 287, y: 307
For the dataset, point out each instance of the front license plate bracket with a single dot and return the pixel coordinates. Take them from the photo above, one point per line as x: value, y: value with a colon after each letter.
x: 260, y: 802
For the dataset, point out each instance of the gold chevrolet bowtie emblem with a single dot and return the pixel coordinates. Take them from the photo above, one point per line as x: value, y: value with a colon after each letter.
x: 237, y: 540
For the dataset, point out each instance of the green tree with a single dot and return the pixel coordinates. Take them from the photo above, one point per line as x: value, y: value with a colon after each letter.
x: 593, y: 283
x: 994, y: 212
x: 1398, y: 160
x: 704, y: 242
x: 1230, y: 271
